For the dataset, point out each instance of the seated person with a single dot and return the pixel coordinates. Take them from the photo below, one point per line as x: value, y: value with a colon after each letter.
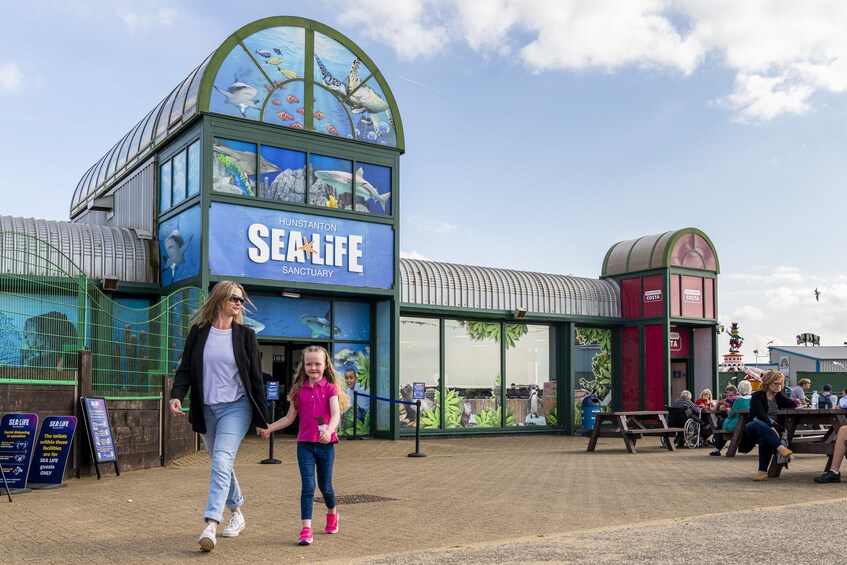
x: 725, y: 403
x: 684, y: 401
x: 745, y: 389
x: 798, y: 393
x: 706, y: 402
x: 843, y: 402
x: 834, y: 473
x: 762, y: 425
x: 826, y: 400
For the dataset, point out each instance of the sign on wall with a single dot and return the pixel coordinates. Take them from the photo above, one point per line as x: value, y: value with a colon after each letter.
x: 286, y: 246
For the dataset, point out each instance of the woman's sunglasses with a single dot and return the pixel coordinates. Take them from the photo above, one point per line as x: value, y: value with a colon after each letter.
x: 235, y: 299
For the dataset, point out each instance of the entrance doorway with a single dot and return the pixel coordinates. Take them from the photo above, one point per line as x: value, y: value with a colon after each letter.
x: 679, y: 378
x: 279, y: 363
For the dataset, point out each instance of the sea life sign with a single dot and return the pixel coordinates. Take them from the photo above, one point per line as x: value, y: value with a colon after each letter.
x: 17, y: 435
x: 287, y: 246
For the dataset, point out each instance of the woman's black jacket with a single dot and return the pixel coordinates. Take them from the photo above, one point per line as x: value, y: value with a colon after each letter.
x: 759, y: 406
x: 189, y: 376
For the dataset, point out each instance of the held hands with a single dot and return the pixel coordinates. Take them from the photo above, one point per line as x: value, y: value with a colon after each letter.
x: 263, y: 433
x: 176, y: 407
x: 325, y: 437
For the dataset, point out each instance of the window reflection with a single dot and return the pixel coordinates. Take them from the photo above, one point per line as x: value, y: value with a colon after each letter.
x: 419, y: 362
x: 531, y: 394
x: 472, y: 380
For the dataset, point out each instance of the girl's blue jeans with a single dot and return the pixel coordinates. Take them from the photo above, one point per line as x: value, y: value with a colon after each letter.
x: 768, y: 441
x: 313, y: 457
x: 226, y: 425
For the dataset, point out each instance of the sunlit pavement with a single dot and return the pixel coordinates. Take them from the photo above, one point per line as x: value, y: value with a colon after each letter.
x: 471, y: 500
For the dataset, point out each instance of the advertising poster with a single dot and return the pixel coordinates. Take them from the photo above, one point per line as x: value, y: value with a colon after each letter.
x: 102, y: 443
x: 179, y: 246
x: 17, y: 435
x: 51, y: 451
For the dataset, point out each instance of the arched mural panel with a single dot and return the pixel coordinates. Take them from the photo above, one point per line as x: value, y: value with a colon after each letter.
x: 240, y: 88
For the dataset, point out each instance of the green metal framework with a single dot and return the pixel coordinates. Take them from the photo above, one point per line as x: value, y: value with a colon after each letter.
x: 49, y: 311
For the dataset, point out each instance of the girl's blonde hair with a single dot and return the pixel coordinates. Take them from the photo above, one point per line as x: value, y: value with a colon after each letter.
x: 706, y: 392
x: 208, y: 312
x: 329, y: 374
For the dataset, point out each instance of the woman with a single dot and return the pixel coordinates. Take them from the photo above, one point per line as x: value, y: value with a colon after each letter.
x: 705, y: 401
x: 222, y: 369
x: 761, y: 424
x: 739, y: 403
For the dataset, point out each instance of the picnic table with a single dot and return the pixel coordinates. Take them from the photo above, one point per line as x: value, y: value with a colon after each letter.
x: 632, y: 426
x: 823, y: 425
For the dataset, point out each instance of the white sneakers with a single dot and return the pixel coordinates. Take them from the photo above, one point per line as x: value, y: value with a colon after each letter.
x: 207, y: 538
x: 236, y: 524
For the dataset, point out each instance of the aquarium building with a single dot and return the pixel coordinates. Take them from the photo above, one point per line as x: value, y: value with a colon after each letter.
x: 276, y: 164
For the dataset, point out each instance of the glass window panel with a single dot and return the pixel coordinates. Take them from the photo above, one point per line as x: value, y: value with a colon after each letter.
x: 472, y: 374
x: 282, y: 175
x: 281, y: 51
x: 593, y: 367
x: 178, y: 173
x: 191, y: 94
x: 234, y: 167
x: 165, y: 186
x: 286, y: 105
x: 531, y: 389
x: 194, y: 168
x: 353, y: 319
x: 352, y: 363
x: 382, y: 375
x: 419, y: 362
x: 179, y: 246
x: 331, y: 116
x: 331, y: 182
x: 373, y: 189
x: 240, y: 87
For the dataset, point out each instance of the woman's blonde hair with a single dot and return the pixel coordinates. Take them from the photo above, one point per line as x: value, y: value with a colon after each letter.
x: 802, y: 382
x: 329, y: 374
x: 770, y: 377
x: 208, y: 312
x: 706, y: 392
x: 745, y: 388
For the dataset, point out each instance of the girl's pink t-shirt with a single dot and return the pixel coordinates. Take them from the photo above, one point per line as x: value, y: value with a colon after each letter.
x: 313, y: 403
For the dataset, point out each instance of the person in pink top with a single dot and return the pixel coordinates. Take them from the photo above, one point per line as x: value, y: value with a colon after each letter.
x: 319, y: 399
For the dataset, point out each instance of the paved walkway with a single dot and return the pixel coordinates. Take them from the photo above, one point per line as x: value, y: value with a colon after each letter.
x: 472, y: 500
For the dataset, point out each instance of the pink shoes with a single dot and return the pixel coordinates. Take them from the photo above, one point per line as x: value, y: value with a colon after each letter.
x: 332, y: 523
x: 305, y: 536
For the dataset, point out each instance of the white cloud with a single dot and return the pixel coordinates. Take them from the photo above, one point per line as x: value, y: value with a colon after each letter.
x: 440, y: 228
x: 780, y: 274
x: 138, y: 21
x: 11, y: 77
x: 413, y: 255
x: 784, y: 297
x: 782, y: 52
x: 748, y: 312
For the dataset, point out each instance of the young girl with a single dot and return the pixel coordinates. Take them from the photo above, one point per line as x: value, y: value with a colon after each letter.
x: 705, y: 401
x: 319, y: 399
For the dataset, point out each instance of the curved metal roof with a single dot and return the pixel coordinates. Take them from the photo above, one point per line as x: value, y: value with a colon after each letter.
x: 461, y: 286
x: 353, y: 91
x: 688, y: 247
x: 51, y: 248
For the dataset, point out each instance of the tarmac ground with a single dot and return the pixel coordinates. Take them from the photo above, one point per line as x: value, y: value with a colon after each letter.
x: 505, y: 499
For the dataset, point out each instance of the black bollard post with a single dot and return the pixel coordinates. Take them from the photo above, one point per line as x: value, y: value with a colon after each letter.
x: 417, y: 452
x: 353, y: 408
x: 270, y: 460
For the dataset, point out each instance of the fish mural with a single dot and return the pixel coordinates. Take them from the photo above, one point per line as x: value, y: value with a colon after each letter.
x: 341, y: 180
x: 301, y: 110
x: 45, y: 337
x: 331, y: 129
x: 263, y: 53
x: 246, y: 160
x: 276, y: 102
x: 320, y: 327
x: 319, y: 115
x: 285, y: 116
x: 254, y: 325
x: 297, y: 125
x: 242, y: 96
x: 292, y: 99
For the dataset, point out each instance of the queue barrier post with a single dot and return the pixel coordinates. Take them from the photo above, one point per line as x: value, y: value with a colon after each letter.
x: 417, y: 452
x: 5, y: 482
x: 271, y: 460
x: 355, y: 408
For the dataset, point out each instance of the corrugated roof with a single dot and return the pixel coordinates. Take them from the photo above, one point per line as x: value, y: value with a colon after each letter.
x: 822, y: 352
x: 50, y: 248
x: 688, y: 247
x: 461, y: 286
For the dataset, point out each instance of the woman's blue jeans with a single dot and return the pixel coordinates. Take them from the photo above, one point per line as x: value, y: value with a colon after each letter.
x: 226, y: 425
x: 310, y: 457
x: 768, y: 441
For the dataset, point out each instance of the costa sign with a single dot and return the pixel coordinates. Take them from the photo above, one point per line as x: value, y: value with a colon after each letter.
x: 692, y: 296
x: 652, y: 296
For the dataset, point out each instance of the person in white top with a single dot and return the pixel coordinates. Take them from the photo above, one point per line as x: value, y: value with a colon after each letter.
x: 843, y: 402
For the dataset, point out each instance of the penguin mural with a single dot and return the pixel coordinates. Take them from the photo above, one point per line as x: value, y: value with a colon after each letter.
x: 533, y: 405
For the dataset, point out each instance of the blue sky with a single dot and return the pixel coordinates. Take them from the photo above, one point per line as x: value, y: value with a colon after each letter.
x: 538, y: 132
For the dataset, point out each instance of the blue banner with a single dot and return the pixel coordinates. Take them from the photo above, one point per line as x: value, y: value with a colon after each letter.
x: 273, y: 390
x: 288, y: 246
x: 17, y: 432
x: 100, y: 430
x: 51, y: 450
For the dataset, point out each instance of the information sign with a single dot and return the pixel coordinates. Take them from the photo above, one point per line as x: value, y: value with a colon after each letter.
x: 17, y: 435
x: 418, y: 391
x: 51, y: 452
x: 99, y: 432
x: 272, y: 390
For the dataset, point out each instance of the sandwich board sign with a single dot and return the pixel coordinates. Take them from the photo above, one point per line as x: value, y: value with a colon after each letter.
x: 51, y: 452
x: 100, y: 440
x: 17, y: 435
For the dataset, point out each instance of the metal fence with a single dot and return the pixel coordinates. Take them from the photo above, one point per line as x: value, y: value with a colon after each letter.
x: 49, y: 310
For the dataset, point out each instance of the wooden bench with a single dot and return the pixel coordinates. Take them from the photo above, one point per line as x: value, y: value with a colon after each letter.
x: 632, y: 426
